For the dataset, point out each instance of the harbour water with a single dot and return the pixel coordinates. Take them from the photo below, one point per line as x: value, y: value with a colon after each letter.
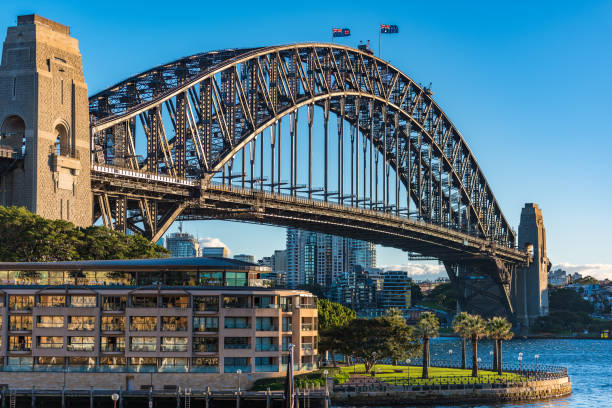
x: 589, y: 363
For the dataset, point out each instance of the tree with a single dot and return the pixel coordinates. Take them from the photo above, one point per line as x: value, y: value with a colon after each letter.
x: 459, y: 328
x: 427, y: 328
x: 444, y: 295
x: 568, y: 299
x: 374, y: 339
x: 332, y: 314
x: 415, y: 293
x: 27, y: 237
x: 498, y: 329
x: 475, y: 327
x: 330, y: 341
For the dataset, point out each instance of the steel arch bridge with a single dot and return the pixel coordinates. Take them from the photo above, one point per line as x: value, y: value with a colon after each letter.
x: 211, y: 136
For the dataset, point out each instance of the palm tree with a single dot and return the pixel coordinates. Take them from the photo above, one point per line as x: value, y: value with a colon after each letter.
x: 427, y: 328
x: 475, y: 327
x: 459, y: 328
x: 498, y: 328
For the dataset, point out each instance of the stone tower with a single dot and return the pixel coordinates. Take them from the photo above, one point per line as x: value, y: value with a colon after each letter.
x: 530, y: 286
x: 44, y: 120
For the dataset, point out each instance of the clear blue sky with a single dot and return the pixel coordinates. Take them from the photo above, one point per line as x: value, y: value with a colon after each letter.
x: 527, y: 83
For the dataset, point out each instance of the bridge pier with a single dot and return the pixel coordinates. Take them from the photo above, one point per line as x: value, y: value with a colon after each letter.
x: 530, y: 284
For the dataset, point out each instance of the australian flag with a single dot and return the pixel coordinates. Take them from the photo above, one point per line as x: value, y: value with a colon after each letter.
x: 388, y: 29
x: 341, y: 32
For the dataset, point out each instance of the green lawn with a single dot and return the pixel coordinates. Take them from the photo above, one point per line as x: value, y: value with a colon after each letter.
x: 399, y: 374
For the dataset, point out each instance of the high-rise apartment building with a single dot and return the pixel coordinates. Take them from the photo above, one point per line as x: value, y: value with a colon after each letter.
x: 245, y: 258
x: 396, y: 290
x: 182, y: 245
x: 215, y: 252
x: 323, y: 258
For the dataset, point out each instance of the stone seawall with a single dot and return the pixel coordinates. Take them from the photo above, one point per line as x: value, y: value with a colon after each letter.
x: 444, y: 394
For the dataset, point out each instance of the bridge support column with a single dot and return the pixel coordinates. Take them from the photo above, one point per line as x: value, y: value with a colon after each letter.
x: 530, y: 284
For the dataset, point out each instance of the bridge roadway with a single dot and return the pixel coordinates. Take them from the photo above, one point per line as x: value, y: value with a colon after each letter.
x: 201, y: 200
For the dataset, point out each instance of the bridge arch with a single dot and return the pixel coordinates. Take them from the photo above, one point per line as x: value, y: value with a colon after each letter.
x: 222, y: 101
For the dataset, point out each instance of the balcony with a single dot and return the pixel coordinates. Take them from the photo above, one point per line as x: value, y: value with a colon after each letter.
x: 20, y: 347
x: 237, y: 346
x: 143, y: 327
x: 50, y: 346
x: 177, y: 348
x: 204, y: 369
x: 233, y: 369
x: 113, y: 327
x: 80, y: 347
x: 265, y: 327
x: 266, y: 347
x: 205, y: 348
x: 308, y: 327
x: 112, y: 348
x: 20, y: 327
x: 287, y: 327
x: 51, y: 304
x: 307, y: 346
x: 144, y: 347
x: 286, y: 308
x: 269, y: 368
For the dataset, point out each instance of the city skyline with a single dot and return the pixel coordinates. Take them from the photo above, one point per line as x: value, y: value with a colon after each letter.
x: 538, y: 47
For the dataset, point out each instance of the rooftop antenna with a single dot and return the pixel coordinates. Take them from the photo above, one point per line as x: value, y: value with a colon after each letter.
x: 180, y: 227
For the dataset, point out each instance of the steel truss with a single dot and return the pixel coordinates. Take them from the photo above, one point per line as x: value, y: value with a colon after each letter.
x: 222, y: 117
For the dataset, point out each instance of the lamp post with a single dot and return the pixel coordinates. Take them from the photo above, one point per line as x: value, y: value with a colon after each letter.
x: 450, y: 357
x: 374, y: 364
x: 238, y: 372
x: 408, y: 364
x: 536, y: 360
x: 115, y: 398
x: 325, y: 372
x: 492, y: 362
x: 520, y: 360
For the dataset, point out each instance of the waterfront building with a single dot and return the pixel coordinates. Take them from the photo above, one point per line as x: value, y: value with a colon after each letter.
x: 558, y: 277
x: 215, y: 252
x: 396, y: 290
x: 245, y: 258
x: 182, y: 245
x: 161, y: 322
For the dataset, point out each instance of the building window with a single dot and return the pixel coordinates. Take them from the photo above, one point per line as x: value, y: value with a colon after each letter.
x: 82, y: 301
x: 81, y: 322
x: 237, y: 323
x: 143, y: 364
x: 237, y: 302
x: 144, y: 301
x: 205, y: 303
x: 112, y: 364
x: 112, y: 344
x: 143, y: 344
x: 211, y: 278
x: 286, y: 343
x: 174, y: 344
x: 81, y: 364
x: 113, y: 323
x: 265, y: 344
x: 48, y: 322
x: 181, y: 302
x: 266, y: 364
x: 231, y: 364
x: 172, y: 323
x: 235, y: 279
x: 205, y: 324
x: 113, y: 303
x: 50, y: 342
x: 266, y: 324
x: 237, y: 343
x: 287, y: 324
x: 20, y: 323
x: 20, y: 343
x: 143, y: 323
x: 19, y: 364
x: 51, y: 301
x: 50, y: 363
x: 173, y: 365
x: 204, y: 365
x: 265, y: 302
x: 205, y: 344
x: 18, y: 302
x: 79, y: 343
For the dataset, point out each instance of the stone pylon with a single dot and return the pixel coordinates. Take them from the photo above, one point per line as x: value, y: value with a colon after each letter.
x: 44, y: 117
x: 530, y: 284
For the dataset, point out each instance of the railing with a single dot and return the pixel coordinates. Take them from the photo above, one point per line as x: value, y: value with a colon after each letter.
x: 236, y: 346
x: 50, y: 346
x: 307, y: 346
x: 287, y: 327
x: 20, y: 327
x: 204, y: 369
x: 51, y: 304
x: 233, y: 369
x: 308, y: 326
x: 175, y: 347
x: 20, y: 347
x: 308, y: 306
x: 268, y: 306
x: 286, y: 308
x: 143, y: 327
x: 143, y: 347
x: 80, y: 347
x: 238, y: 326
x: 173, y: 327
x: 266, y: 347
x: 205, y: 329
x: 267, y: 368
x: 111, y: 307
x: 113, y: 327
x: 112, y: 348
x: 205, y: 348
x: 513, y: 375
x: 266, y: 328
